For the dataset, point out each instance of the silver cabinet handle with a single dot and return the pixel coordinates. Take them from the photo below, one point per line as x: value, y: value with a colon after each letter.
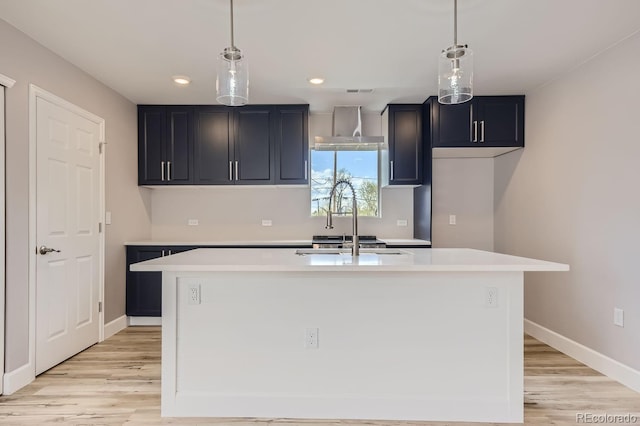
x: 236, y: 169
x: 168, y: 170
x: 230, y: 170
x: 44, y: 250
x: 306, y: 170
x: 475, y: 131
x: 169, y: 252
x: 482, y: 131
x: 162, y: 253
x: 162, y: 170
x: 391, y: 169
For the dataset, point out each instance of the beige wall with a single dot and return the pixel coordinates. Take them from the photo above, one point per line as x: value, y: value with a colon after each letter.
x: 236, y: 214
x: 27, y: 62
x: 463, y: 187
x: 572, y: 196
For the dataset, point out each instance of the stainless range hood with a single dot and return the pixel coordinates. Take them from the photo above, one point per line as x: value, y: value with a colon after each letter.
x: 347, y: 133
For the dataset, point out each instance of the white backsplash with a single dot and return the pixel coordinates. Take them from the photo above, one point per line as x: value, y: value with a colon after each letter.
x: 236, y: 213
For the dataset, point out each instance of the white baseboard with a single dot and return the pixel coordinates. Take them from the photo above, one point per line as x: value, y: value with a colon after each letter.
x: 145, y: 321
x: 609, y: 367
x: 18, y: 378
x: 115, y: 326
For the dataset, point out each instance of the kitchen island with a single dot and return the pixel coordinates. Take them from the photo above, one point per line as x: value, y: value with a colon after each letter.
x: 426, y: 334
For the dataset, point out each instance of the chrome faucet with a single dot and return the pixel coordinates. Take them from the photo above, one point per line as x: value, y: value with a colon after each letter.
x: 355, y: 249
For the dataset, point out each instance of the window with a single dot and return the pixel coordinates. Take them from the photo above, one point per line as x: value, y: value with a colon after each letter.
x: 358, y: 167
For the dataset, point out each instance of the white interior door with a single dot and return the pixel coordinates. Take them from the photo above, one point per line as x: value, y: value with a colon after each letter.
x: 67, y: 234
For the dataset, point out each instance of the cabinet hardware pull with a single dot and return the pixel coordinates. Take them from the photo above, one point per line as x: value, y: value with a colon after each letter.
x: 236, y: 169
x: 169, y: 252
x: 230, y: 171
x: 475, y: 131
x: 162, y: 253
x: 168, y: 170
x: 482, y: 131
x: 391, y: 166
x: 162, y: 171
x: 306, y: 169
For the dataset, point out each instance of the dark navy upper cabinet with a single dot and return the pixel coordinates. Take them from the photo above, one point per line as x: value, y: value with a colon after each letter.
x: 292, y: 144
x: 253, y: 147
x: 219, y: 145
x: 402, y: 126
x: 165, y: 145
x: 485, y: 121
x: 234, y: 145
x: 214, y: 146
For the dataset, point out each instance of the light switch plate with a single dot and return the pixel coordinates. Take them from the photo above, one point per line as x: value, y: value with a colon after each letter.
x: 107, y: 218
x: 401, y: 222
x: 267, y: 222
x: 193, y: 222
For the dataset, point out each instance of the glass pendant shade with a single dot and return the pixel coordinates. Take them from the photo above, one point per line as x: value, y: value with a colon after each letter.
x: 232, y: 83
x: 455, y: 75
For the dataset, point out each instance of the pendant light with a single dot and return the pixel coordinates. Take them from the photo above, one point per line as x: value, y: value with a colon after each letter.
x: 455, y: 69
x: 232, y: 83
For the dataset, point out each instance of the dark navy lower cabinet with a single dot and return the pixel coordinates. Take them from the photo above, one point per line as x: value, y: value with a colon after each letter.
x: 144, y: 289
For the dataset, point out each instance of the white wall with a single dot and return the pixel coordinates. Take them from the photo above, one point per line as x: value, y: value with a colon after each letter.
x: 28, y: 62
x: 571, y: 196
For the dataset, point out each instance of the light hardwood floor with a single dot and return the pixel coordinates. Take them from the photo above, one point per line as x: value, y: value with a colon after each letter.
x: 117, y: 382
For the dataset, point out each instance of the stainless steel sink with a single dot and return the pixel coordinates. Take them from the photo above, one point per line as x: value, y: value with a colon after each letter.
x: 347, y: 251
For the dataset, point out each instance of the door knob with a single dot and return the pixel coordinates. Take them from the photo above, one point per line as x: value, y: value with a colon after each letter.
x: 45, y: 250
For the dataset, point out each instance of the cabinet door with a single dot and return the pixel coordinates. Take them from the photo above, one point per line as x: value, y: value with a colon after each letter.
x: 253, y: 145
x: 405, y: 144
x: 453, y: 125
x: 214, y: 146
x: 151, y: 142
x: 144, y: 289
x: 501, y: 120
x: 179, y: 145
x: 292, y: 144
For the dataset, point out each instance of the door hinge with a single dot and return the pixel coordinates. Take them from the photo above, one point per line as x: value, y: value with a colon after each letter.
x: 99, y: 227
x: 99, y: 306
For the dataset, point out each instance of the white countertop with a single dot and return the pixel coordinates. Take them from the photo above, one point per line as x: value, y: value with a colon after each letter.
x: 285, y: 260
x: 283, y: 243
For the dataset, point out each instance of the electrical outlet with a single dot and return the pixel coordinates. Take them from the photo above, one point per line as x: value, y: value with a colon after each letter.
x: 401, y: 222
x: 491, y: 297
x: 452, y: 219
x: 618, y: 317
x: 193, y: 222
x: 267, y: 222
x: 194, y: 294
x: 311, y: 338
x: 107, y: 218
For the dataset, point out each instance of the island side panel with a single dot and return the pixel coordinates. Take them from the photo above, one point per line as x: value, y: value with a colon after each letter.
x: 392, y: 345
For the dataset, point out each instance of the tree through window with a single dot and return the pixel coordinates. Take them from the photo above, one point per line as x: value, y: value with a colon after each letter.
x: 358, y: 167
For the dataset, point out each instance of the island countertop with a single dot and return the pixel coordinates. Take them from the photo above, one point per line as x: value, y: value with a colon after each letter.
x: 404, y: 242
x: 286, y: 260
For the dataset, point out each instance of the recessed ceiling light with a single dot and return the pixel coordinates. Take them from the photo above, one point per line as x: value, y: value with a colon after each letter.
x: 316, y: 80
x: 181, y: 80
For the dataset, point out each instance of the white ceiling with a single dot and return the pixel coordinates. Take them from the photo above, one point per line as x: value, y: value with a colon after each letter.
x: 392, y: 46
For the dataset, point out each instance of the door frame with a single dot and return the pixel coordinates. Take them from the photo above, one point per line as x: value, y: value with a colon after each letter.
x: 5, y: 83
x: 36, y: 92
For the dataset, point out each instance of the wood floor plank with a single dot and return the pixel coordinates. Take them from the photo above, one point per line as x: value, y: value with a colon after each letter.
x: 117, y: 382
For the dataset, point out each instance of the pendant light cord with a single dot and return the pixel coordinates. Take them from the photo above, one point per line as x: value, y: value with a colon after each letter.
x: 233, y: 46
x: 455, y: 23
